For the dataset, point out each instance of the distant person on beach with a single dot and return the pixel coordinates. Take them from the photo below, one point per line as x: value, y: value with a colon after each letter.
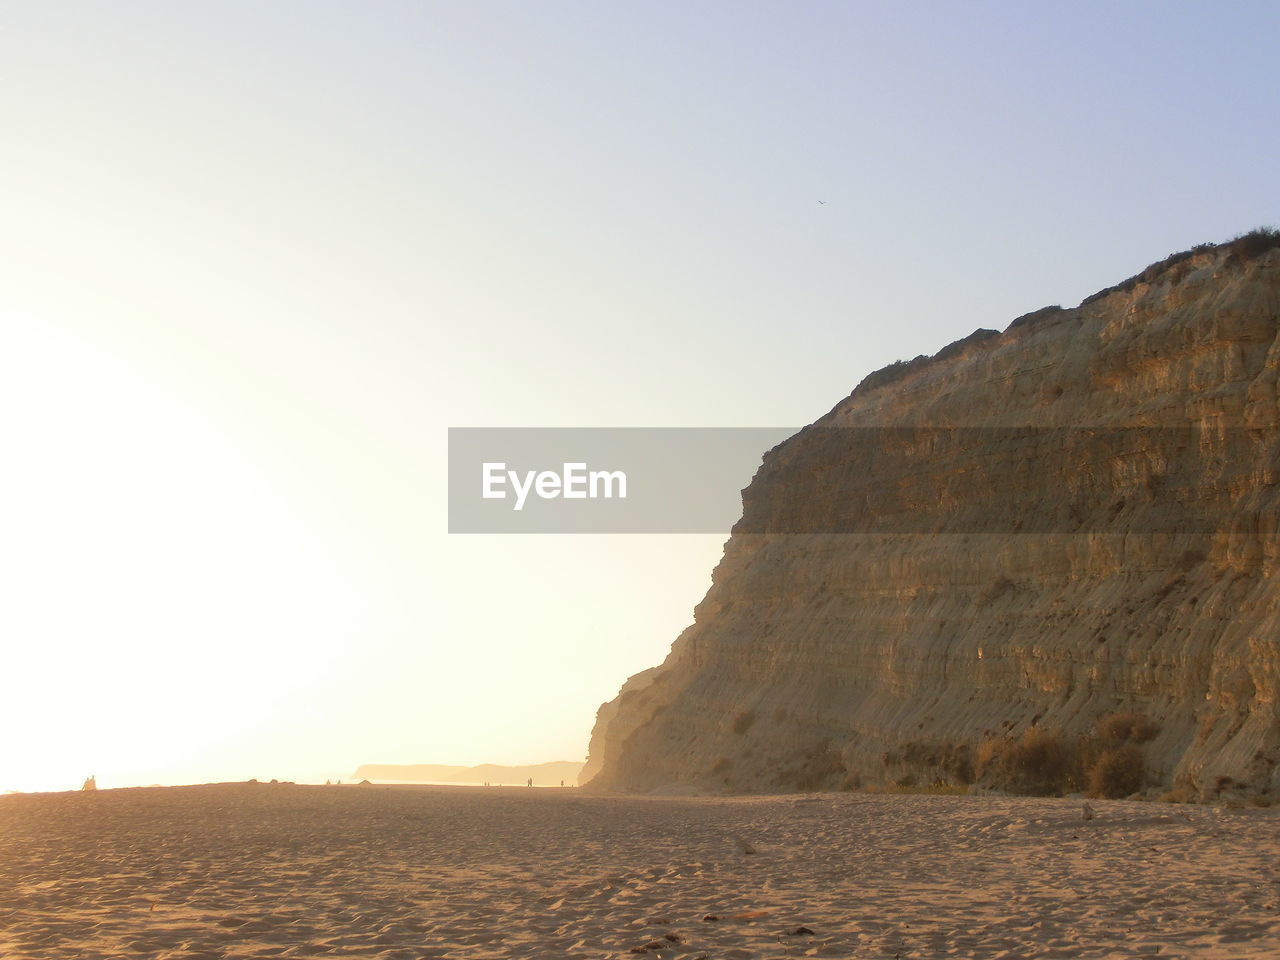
x: 91, y: 783
x: 531, y: 781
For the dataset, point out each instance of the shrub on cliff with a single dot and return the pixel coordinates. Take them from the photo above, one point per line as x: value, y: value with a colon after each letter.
x: 938, y: 762
x: 1253, y: 244
x: 1037, y: 763
x: 1240, y: 250
x: 1113, y: 758
x: 1118, y: 772
x: 1119, y: 728
x: 819, y: 768
x: 1109, y: 763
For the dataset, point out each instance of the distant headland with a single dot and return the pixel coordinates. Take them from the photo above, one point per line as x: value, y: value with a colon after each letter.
x: 542, y: 774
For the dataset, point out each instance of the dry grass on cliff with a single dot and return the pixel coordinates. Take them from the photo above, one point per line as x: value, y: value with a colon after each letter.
x: 1240, y: 250
x: 1038, y: 763
x: 1108, y: 763
x: 1117, y: 772
x: 1253, y: 244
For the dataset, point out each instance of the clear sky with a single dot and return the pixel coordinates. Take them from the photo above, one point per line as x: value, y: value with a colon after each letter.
x: 255, y: 258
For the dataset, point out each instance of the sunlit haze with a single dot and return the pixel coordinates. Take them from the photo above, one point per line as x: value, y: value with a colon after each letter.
x: 256, y: 259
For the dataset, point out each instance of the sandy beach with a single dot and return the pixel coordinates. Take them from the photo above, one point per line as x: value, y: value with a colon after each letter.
x: 245, y: 870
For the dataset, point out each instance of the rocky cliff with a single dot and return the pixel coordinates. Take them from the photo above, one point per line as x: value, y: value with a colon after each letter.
x: 1034, y: 529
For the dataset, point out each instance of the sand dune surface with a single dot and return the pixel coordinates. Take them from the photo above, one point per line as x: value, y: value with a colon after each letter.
x: 258, y: 870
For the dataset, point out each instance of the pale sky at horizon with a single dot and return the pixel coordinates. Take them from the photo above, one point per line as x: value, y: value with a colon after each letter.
x: 255, y: 259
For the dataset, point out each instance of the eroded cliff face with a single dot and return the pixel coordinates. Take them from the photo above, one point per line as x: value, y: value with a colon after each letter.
x: 1072, y: 518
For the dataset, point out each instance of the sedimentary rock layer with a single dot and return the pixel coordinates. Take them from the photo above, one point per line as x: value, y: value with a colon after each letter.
x: 1073, y: 518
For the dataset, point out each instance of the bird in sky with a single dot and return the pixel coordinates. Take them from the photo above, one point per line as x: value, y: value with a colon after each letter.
x: 823, y: 202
